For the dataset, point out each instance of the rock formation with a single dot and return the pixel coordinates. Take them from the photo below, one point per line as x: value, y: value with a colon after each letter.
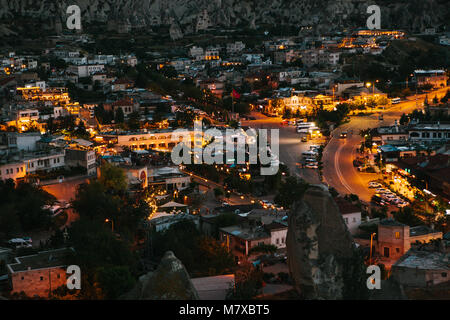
x: 321, y: 15
x: 320, y: 249
x: 170, y: 281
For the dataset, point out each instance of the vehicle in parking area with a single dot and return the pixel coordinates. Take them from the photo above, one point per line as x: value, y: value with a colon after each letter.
x: 374, y: 185
x: 20, y: 243
x: 314, y: 148
x: 402, y: 204
x: 309, y: 154
x: 378, y: 200
x: 312, y: 165
x: 382, y: 190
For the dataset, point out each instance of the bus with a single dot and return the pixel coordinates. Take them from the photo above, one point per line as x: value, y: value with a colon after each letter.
x: 395, y: 100
x: 305, y: 125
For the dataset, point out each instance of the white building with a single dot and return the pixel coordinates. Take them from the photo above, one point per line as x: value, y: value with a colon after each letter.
x: 429, y: 132
x: 235, y: 47
x: 86, y: 70
x: 350, y: 213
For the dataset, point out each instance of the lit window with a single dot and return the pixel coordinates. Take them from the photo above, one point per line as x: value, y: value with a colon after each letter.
x: 397, y: 235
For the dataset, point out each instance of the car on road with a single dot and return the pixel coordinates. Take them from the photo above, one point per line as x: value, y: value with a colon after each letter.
x: 284, y: 122
x: 373, y: 185
x: 343, y: 135
x: 380, y: 117
x: 304, y: 139
x: 20, y: 243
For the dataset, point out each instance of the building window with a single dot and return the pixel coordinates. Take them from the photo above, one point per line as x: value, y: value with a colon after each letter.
x: 278, y: 241
x: 397, y: 235
x: 22, y: 278
x: 397, y: 249
x: 42, y: 278
x: 444, y: 274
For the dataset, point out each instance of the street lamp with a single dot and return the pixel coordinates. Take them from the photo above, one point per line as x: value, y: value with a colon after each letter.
x: 112, y: 224
x: 371, y: 240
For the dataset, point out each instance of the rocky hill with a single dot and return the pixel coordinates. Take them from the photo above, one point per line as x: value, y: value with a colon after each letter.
x: 322, y: 257
x: 320, y: 15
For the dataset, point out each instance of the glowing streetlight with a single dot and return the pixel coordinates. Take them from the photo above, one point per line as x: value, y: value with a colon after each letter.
x: 371, y: 240
x: 112, y: 224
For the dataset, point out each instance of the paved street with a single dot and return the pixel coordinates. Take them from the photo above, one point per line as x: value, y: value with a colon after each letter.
x: 338, y: 169
x: 291, y: 147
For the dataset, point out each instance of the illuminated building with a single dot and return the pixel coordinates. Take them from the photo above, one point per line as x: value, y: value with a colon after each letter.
x: 39, y: 274
x: 437, y: 78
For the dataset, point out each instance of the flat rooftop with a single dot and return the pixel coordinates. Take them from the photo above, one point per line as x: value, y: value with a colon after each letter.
x: 41, y: 260
x: 246, y: 233
x: 425, y: 260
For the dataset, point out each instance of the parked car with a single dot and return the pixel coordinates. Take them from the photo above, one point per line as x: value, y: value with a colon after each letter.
x: 374, y: 185
x: 20, y: 243
x: 312, y: 165
x: 402, y: 204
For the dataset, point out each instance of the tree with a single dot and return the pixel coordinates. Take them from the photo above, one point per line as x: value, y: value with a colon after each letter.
x: 248, y: 285
x: 435, y: 100
x: 404, y: 119
x: 119, y: 117
x: 113, y: 178
x: 199, y: 254
x: 100, y: 255
x: 115, y: 281
x: 22, y: 208
x: 291, y: 190
x: 407, y: 216
x: 133, y: 121
x: 263, y: 248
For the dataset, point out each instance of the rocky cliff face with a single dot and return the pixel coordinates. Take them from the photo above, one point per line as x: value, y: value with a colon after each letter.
x: 321, y: 15
x: 321, y: 251
x: 170, y: 281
